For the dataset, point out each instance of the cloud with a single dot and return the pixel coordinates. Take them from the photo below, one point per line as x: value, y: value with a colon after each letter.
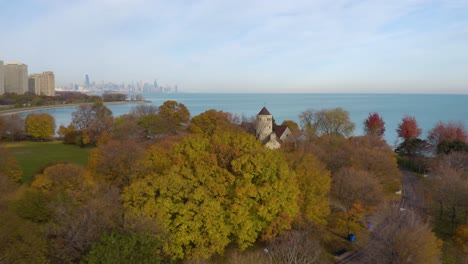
x: 266, y: 44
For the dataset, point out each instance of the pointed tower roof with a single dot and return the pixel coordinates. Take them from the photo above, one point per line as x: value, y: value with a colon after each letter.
x: 264, y: 111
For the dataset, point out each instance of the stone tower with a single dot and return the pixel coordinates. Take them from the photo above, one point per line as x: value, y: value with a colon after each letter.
x: 264, y: 125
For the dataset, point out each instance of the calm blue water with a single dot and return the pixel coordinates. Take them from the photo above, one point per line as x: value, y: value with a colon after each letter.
x: 428, y: 109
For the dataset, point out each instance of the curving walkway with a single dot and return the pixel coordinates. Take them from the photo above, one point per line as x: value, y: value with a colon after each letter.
x: 34, y: 108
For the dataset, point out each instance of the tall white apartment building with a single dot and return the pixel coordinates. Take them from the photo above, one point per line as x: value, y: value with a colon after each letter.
x: 16, y: 77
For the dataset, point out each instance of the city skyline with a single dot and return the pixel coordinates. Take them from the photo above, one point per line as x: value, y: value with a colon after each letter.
x: 262, y: 46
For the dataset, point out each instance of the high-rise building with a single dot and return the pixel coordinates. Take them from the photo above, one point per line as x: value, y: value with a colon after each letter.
x: 34, y: 83
x: 2, y: 78
x: 42, y: 84
x: 87, y: 83
x: 48, y: 83
x: 16, y: 77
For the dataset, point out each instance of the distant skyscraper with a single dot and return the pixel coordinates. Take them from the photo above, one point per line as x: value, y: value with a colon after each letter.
x: 155, y: 84
x: 16, y: 77
x: 2, y: 78
x: 87, y: 83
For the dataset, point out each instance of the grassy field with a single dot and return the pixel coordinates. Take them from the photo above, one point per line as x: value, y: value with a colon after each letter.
x: 32, y: 156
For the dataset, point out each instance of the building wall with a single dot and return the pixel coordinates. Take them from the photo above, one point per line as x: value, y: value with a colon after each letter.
x: 42, y: 83
x: 48, y: 85
x: 34, y: 84
x: 2, y: 78
x: 264, y: 126
x: 273, y: 142
x: 287, y: 135
x: 16, y: 78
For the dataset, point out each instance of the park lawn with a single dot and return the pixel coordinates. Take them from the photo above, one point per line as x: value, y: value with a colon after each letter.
x: 32, y: 156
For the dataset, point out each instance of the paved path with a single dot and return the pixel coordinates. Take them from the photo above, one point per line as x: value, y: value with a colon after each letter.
x: 412, y: 193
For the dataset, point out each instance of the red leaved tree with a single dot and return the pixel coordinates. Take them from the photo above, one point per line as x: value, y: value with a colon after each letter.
x: 408, y: 128
x: 374, y: 125
x: 449, y: 132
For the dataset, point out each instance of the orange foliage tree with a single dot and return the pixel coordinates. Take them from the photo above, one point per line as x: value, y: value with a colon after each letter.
x: 408, y: 128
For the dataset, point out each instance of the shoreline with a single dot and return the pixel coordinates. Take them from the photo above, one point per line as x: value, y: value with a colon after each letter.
x: 45, y: 107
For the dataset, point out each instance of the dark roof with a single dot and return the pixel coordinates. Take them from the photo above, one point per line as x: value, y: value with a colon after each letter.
x: 279, y: 130
x: 264, y: 111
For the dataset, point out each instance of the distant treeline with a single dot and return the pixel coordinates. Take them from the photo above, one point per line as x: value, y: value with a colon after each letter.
x: 29, y: 99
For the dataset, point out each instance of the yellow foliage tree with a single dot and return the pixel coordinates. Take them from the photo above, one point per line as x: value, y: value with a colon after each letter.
x: 216, y: 190
x: 314, y: 183
x: 40, y: 126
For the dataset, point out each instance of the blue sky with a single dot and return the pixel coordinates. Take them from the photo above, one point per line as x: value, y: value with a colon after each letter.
x: 401, y: 46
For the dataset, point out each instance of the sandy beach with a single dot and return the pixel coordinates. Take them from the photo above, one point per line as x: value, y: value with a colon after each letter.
x: 34, y: 108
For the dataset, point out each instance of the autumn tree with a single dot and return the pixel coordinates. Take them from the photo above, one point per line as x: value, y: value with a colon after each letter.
x: 126, y: 127
x: 448, y: 187
x: 21, y: 241
x: 9, y: 166
x: 175, y: 114
x: 216, y: 190
x: 314, y: 183
x: 116, y: 162
x: 350, y: 220
x: 212, y: 121
x: 400, y: 236
x: 12, y: 127
x: 366, y: 153
x: 447, y: 137
x: 40, y: 126
x: 295, y: 246
x: 374, y: 125
x: 143, y: 110
x: 408, y: 128
x: 306, y: 119
x: 293, y: 126
x: 351, y: 186
x: 80, y: 210
x: 372, y: 154
x: 92, y: 121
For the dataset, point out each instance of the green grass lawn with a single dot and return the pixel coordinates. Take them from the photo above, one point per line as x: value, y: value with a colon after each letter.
x: 32, y: 156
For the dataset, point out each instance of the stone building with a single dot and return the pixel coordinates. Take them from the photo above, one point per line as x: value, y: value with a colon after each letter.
x: 271, y: 135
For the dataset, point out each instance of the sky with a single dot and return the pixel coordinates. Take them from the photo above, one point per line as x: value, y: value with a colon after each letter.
x: 312, y: 46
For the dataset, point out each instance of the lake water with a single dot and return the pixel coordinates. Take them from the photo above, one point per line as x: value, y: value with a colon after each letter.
x: 427, y: 109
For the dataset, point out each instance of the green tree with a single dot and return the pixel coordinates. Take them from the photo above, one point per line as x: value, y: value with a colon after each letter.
x: 327, y: 122
x: 40, y: 126
x: 125, y: 248
x: 216, y: 190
